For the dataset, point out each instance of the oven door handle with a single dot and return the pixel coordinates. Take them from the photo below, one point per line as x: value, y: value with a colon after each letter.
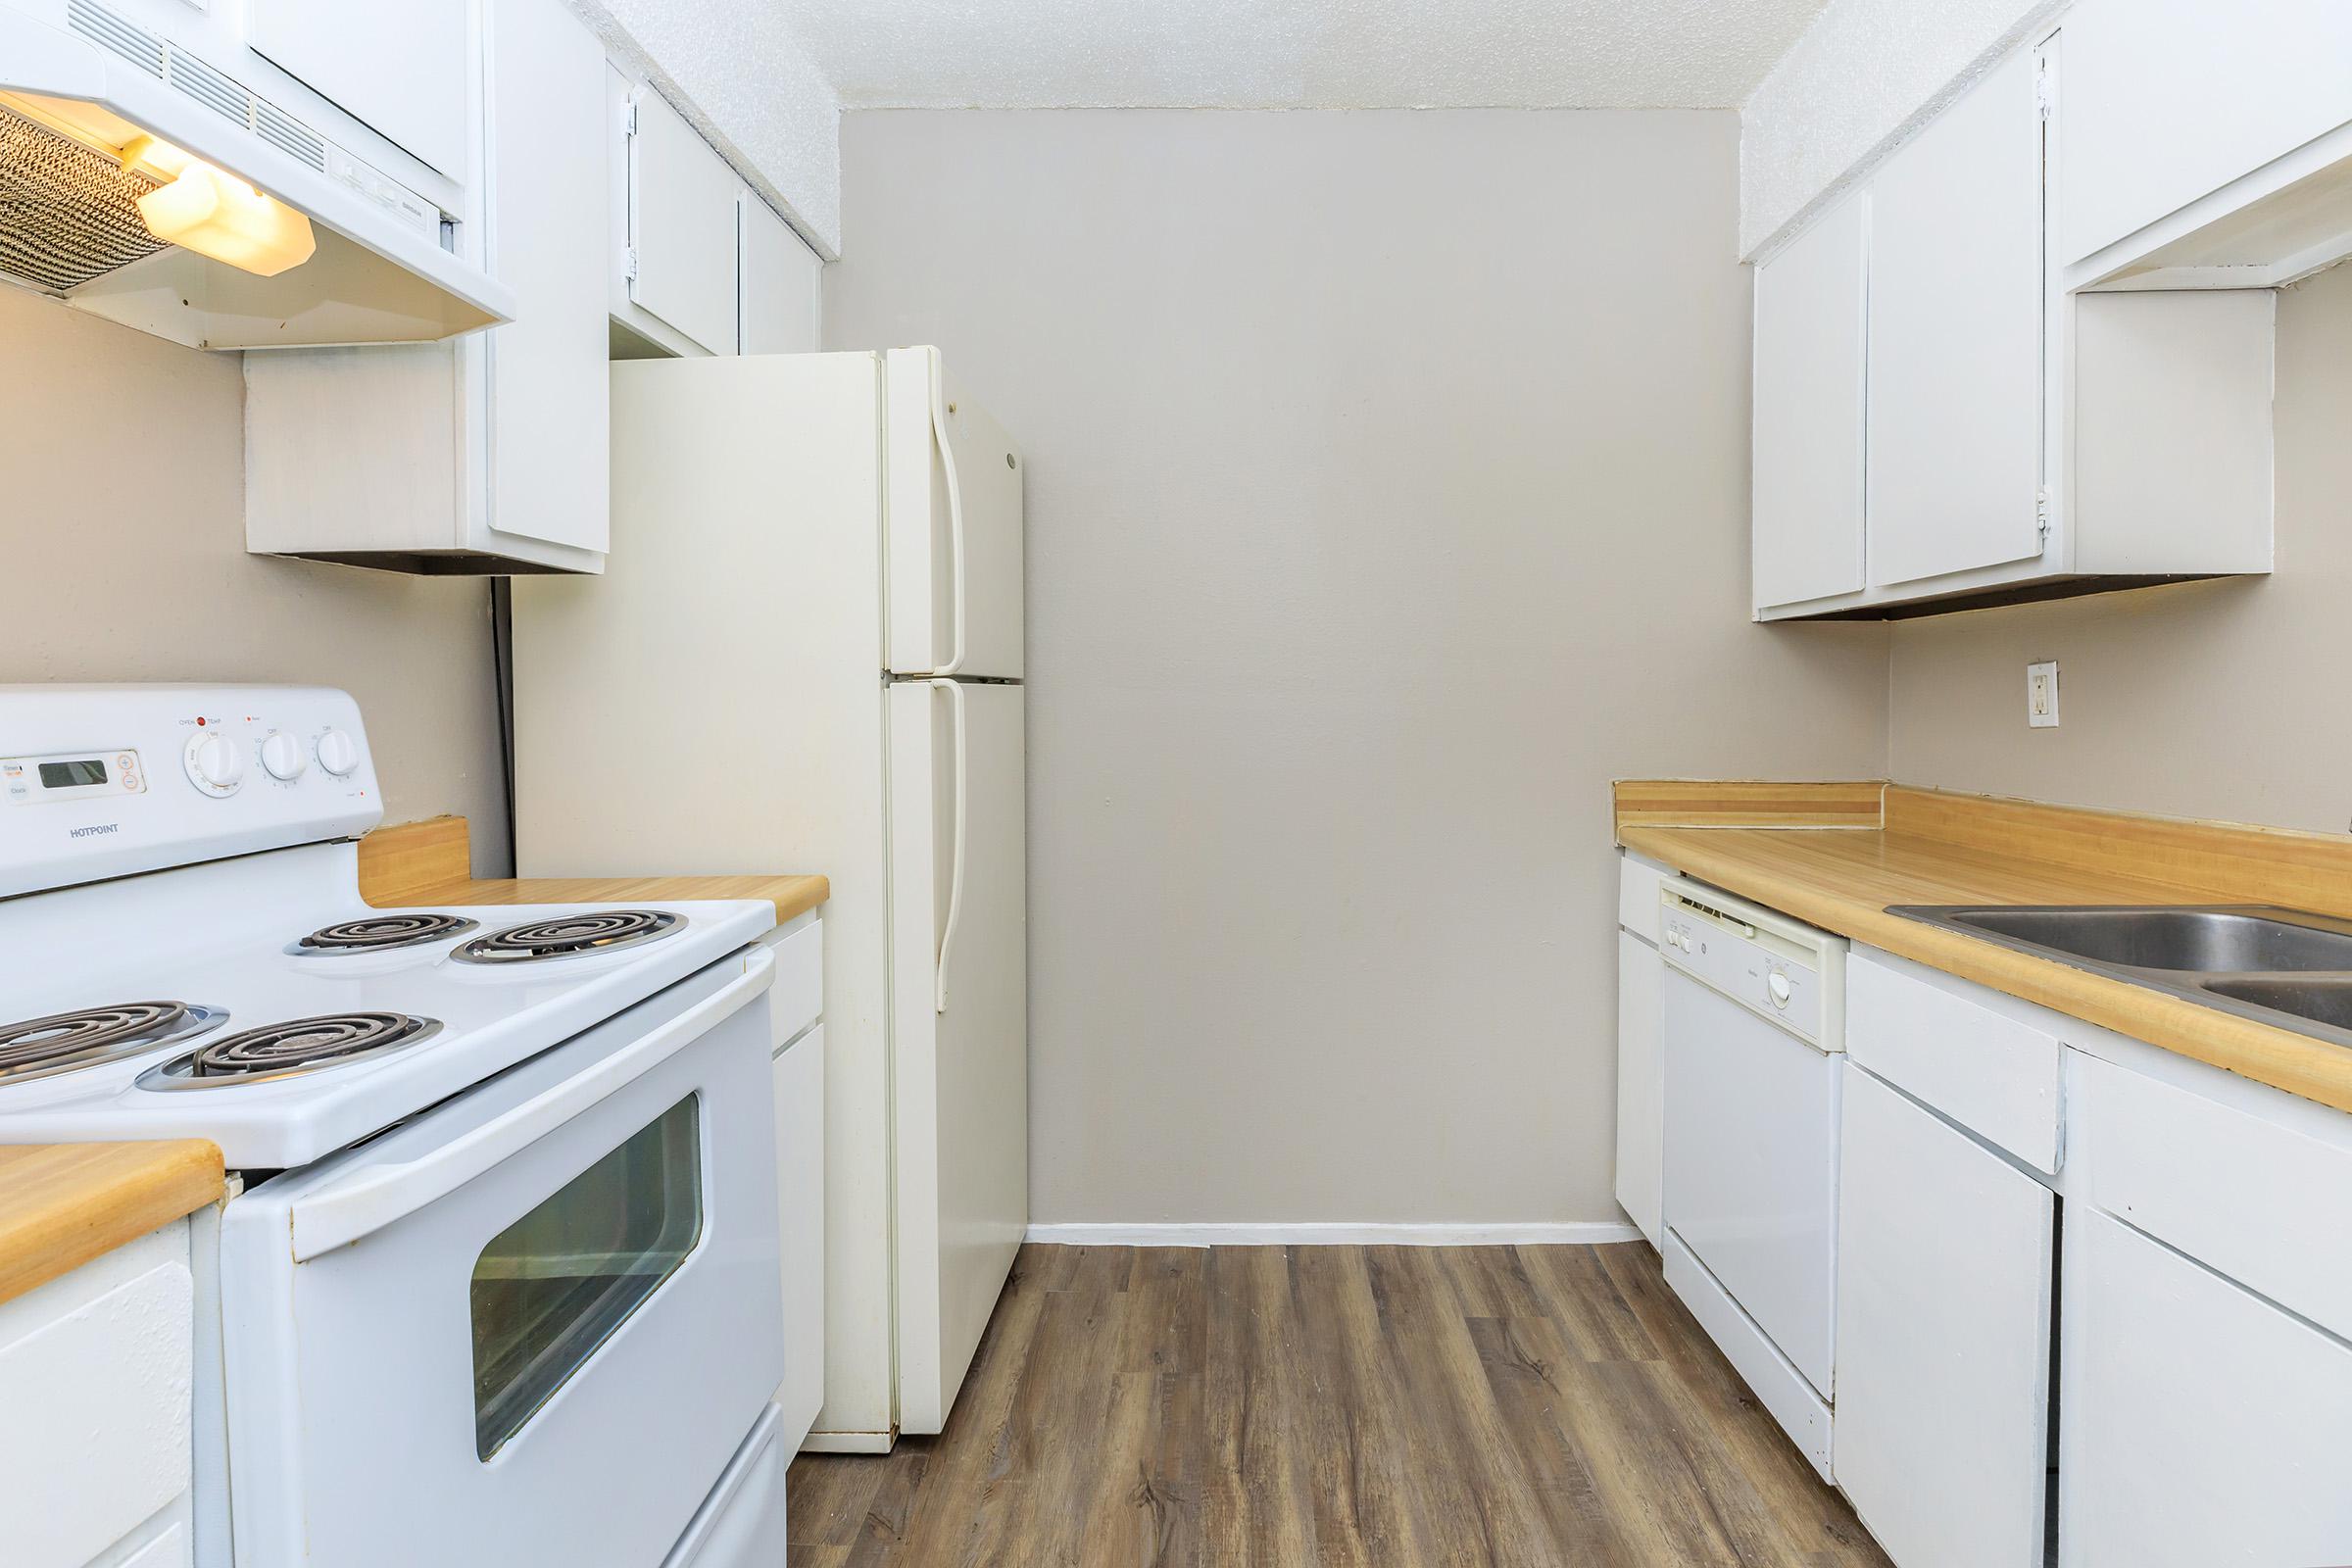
x: 349, y: 1212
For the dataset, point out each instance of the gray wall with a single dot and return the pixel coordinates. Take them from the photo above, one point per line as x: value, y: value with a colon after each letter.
x: 2223, y: 699
x: 122, y: 469
x: 1387, y: 498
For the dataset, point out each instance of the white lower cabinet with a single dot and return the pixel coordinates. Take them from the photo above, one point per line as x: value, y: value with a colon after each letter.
x: 1640, y: 1047
x: 97, y: 1414
x: 1641, y: 1081
x: 1943, y: 1338
x: 796, y: 1076
x: 800, y: 1090
x: 2200, y: 1424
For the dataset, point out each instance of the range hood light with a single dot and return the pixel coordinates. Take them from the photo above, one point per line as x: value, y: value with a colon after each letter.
x: 153, y: 157
x: 218, y: 215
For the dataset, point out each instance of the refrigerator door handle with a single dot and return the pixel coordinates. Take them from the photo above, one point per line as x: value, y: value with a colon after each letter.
x: 946, y: 456
x: 946, y: 934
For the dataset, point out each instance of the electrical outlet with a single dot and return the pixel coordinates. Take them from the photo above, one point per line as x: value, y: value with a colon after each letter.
x: 2042, y: 694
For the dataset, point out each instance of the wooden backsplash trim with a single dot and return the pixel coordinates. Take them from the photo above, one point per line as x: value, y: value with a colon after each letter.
x: 1747, y: 802
x: 2224, y: 861
x: 399, y: 865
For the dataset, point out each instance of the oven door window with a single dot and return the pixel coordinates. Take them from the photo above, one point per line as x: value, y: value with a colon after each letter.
x: 553, y: 1286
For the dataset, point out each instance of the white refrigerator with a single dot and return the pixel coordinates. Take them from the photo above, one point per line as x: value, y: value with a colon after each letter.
x: 807, y: 656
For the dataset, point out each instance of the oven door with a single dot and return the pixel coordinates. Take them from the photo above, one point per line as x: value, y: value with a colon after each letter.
x: 529, y: 1325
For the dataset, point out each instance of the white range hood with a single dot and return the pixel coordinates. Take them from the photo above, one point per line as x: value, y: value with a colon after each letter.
x: 98, y: 112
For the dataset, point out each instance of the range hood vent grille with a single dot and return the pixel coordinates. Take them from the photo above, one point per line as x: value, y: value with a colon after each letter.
x: 192, y: 78
x: 117, y: 36
x: 195, y: 79
x: 288, y: 136
x: 68, y: 215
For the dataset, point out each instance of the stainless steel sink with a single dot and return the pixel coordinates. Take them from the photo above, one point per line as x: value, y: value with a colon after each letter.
x: 2206, y: 941
x: 2288, y: 969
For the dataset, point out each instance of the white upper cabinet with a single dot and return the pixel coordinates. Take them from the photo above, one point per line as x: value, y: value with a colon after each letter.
x: 1955, y: 338
x: 486, y: 454
x: 1811, y: 346
x: 681, y: 265
x: 548, y: 387
x: 2168, y: 101
x: 2009, y: 436
x: 402, y: 70
x: 782, y: 286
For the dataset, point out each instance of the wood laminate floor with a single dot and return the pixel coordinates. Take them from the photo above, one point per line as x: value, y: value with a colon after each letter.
x: 1259, y: 1407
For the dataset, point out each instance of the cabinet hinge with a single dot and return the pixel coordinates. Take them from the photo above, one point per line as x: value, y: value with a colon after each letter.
x: 628, y: 117
x: 2042, y: 506
x: 2041, y: 88
x: 628, y: 270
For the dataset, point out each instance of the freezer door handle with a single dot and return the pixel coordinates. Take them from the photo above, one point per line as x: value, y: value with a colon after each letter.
x: 955, y: 552
x: 947, y: 933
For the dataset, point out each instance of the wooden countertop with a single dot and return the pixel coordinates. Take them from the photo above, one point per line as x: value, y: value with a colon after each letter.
x: 1927, y: 846
x: 63, y: 1205
x: 431, y: 862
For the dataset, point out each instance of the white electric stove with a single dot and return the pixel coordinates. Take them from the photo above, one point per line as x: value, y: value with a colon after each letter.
x: 496, y: 1280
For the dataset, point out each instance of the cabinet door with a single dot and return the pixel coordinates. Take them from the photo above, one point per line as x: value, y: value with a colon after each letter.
x: 96, y: 1439
x: 683, y: 227
x: 783, y: 286
x: 2168, y: 100
x: 1943, y: 1338
x: 2200, y: 1425
x: 400, y: 70
x: 1811, y: 315
x: 1641, y: 1081
x: 547, y: 383
x: 1955, y: 338
x: 799, y: 1093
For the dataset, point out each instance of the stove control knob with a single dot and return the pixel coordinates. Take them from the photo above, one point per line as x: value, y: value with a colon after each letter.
x: 338, y: 754
x: 215, y: 763
x: 281, y: 755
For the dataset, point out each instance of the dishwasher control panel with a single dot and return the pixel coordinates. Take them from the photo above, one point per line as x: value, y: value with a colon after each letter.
x: 1774, y: 966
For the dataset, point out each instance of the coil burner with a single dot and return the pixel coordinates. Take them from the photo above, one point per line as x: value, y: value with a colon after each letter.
x: 288, y: 1050
x: 66, y: 1042
x: 570, y: 936
x: 380, y: 932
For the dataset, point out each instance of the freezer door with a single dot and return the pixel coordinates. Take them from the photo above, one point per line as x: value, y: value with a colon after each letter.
x: 959, y: 1024
x: 953, y: 521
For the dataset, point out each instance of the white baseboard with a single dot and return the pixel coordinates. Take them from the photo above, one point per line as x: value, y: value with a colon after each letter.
x: 1533, y: 1233
x: 846, y: 1443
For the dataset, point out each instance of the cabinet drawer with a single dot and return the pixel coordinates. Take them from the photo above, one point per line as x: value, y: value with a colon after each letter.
x: 1637, y: 883
x: 798, y: 997
x: 2245, y: 1195
x: 1971, y: 1053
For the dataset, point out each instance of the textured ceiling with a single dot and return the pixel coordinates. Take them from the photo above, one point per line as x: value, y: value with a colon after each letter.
x: 1296, y: 54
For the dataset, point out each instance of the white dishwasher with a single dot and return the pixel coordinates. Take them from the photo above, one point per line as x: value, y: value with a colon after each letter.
x: 1754, y: 1048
